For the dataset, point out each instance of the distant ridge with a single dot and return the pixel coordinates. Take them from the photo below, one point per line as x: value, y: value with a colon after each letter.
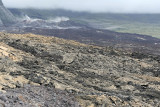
x: 6, y: 17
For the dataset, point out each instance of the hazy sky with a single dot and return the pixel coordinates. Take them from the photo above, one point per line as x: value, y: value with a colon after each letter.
x: 122, y: 6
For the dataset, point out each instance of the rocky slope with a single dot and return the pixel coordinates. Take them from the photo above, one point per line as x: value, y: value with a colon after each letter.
x: 125, y: 41
x: 37, y: 96
x: 6, y: 17
x: 94, y: 76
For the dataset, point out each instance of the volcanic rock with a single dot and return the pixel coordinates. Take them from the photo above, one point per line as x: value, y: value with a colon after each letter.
x: 95, y: 76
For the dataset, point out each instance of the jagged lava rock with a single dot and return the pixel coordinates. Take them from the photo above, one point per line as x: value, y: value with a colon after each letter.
x: 97, y: 76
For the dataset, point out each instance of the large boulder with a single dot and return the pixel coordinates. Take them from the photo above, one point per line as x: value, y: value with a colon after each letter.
x: 6, y: 17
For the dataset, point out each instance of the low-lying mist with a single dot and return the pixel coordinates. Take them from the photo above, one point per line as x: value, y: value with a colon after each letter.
x: 111, y: 6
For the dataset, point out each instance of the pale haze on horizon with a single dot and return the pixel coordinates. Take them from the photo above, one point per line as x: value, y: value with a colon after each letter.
x: 115, y: 6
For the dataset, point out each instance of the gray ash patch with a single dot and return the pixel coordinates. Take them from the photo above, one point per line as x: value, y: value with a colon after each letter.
x: 37, y: 96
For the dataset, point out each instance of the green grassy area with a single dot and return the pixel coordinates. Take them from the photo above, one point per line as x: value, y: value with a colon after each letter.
x: 151, y: 29
x: 145, y: 29
x: 140, y: 28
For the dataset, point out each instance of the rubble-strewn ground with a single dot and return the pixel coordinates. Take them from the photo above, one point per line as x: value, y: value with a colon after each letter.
x: 37, y: 96
x: 95, y: 76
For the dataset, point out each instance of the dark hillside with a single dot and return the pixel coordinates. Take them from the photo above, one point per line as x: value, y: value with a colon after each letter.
x: 6, y: 17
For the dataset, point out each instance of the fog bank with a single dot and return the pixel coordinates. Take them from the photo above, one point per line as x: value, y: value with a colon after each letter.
x: 112, y: 6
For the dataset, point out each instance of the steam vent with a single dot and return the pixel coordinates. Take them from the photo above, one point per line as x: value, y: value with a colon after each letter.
x: 6, y: 17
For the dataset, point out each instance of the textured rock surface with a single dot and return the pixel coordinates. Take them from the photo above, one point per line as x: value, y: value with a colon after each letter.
x: 37, y: 96
x: 98, y: 77
x: 6, y: 17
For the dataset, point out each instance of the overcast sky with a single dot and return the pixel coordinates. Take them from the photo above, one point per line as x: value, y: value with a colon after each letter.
x: 118, y: 6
